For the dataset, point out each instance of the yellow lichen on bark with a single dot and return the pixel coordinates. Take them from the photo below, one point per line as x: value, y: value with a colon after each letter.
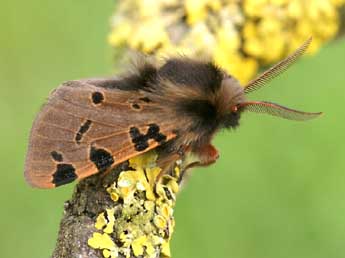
x: 141, y: 221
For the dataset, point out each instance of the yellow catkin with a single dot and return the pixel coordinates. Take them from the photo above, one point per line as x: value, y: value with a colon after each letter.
x: 239, y: 36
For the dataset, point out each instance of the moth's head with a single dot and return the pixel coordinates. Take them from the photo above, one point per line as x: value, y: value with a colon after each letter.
x: 215, y: 99
x: 238, y: 103
x: 231, y: 96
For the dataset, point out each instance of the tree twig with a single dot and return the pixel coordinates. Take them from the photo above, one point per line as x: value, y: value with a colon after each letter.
x: 126, y: 213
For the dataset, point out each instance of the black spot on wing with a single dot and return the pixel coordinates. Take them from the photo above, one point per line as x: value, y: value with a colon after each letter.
x: 56, y: 156
x: 160, y: 138
x: 97, y: 97
x: 135, y: 106
x: 64, y: 174
x: 141, y: 145
x: 153, y: 133
x: 101, y: 158
x: 141, y: 140
x: 82, y: 130
x: 145, y: 99
x: 134, y: 132
x: 153, y: 130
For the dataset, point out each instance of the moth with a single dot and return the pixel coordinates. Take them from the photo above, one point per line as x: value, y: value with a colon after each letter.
x: 90, y: 126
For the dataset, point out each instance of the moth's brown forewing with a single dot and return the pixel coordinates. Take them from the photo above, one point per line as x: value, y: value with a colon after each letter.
x: 84, y: 129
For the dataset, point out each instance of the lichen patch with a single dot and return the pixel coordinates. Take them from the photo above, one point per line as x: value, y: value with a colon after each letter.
x: 141, y: 222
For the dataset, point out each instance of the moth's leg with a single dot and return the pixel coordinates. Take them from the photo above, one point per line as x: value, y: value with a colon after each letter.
x: 111, y: 174
x: 207, y: 154
x: 167, y: 163
x: 167, y: 159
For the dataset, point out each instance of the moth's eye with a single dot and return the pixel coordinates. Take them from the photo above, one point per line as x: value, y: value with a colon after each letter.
x: 234, y: 108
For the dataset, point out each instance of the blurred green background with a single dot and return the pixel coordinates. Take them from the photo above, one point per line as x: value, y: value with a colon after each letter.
x: 277, y: 191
